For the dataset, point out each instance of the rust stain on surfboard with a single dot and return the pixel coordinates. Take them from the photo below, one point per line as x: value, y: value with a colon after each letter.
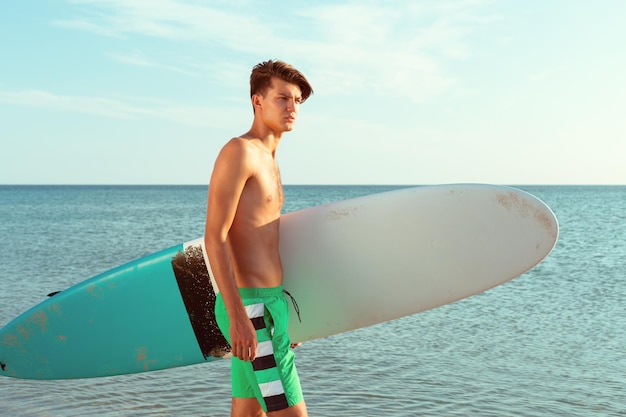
x: 39, y: 319
x: 141, y: 355
x: 94, y: 290
x: 142, y: 358
x: 24, y: 332
x: 10, y: 340
x: 344, y: 213
x: 512, y: 201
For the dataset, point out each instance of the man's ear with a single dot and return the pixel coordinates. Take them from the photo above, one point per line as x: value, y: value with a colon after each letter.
x: 257, y: 101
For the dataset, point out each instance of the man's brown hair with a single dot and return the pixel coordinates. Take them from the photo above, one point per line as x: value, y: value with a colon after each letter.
x: 261, y: 78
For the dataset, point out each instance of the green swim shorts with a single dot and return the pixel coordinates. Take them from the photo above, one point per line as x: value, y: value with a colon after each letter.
x: 272, y: 377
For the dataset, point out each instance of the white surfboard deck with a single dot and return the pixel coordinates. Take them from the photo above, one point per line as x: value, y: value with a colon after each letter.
x: 376, y: 258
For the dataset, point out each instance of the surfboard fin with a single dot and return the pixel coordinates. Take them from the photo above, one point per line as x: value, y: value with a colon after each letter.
x: 53, y: 293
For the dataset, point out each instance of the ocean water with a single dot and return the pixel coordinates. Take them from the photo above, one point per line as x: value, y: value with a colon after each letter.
x: 550, y: 343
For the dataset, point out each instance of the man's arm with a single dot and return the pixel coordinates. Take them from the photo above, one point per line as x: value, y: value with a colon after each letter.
x: 232, y: 169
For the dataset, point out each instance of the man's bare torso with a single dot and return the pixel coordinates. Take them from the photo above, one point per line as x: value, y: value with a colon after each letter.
x: 253, y: 237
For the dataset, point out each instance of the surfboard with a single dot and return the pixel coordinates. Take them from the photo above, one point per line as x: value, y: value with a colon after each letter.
x: 349, y: 264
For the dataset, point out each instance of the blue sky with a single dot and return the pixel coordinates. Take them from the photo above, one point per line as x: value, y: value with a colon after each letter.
x: 406, y: 92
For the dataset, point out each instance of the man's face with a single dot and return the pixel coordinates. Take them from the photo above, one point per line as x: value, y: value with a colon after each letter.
x: 280, y: 105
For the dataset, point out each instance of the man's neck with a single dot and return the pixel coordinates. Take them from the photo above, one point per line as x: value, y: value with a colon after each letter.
x: 268, y: 138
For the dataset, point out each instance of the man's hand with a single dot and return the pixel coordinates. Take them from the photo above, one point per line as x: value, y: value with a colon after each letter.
x: 243, y: 339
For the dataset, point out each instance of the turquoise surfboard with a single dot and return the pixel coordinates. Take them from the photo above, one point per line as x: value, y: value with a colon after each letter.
x: 349, y: 264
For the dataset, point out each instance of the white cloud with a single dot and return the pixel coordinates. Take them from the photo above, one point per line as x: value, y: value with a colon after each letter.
x: 140, y: 61
x: 90, y: 105
x: 170, y: 19
x: 128, y: 108
x: 390, y: 49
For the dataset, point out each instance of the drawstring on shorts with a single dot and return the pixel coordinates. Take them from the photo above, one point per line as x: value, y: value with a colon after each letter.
x: 295, y: 304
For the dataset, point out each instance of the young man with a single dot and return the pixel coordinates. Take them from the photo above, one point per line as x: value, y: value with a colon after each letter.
x: 241, y: 239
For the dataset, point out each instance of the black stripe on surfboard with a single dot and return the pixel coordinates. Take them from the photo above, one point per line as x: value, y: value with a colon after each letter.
x: 198, y: 295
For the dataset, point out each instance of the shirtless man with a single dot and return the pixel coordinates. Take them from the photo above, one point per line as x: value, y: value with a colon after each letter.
x: 241, y: 239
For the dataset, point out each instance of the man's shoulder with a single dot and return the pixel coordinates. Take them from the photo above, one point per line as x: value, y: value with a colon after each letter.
x: 237, y: 143
x: 238, y: 147
x: 243, y: 143
x: 244, y: 147
x: 235, y: 162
